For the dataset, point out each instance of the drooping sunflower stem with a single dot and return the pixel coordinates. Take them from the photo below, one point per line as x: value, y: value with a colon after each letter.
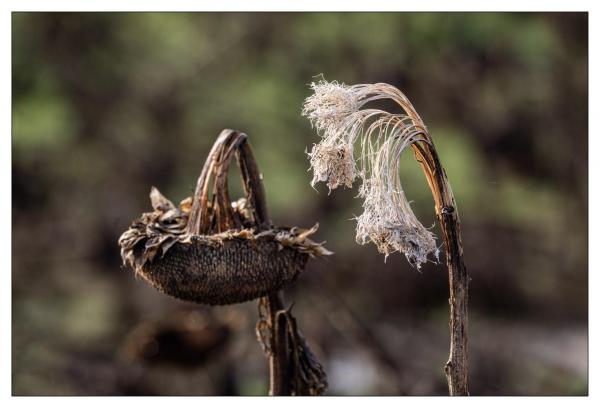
x: 338, y: 113
x: 293, y: 370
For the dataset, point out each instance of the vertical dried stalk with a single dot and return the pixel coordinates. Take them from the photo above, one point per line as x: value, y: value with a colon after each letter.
x: 279, y: 364
x: 457, y: 367
x: 223, y: 219
x: 339, y: 114
x: 279, y: 373
x: 293, y: 368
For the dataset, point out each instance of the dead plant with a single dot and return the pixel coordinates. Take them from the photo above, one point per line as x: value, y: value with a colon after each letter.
x: 214, y: 251
x: 338, y: 113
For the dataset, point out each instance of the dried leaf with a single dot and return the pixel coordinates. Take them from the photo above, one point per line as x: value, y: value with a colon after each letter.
x: 159, y: 201
x: 186, y: 205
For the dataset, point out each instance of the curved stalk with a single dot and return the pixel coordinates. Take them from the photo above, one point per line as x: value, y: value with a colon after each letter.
x: 279, y: 372
x: 200, y: 223
x: 293, y: 370
x: 457, y: 366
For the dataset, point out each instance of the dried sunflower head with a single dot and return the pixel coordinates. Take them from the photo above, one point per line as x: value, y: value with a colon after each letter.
x: 154, y: 233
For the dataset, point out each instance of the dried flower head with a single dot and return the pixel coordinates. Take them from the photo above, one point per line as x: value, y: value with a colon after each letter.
x: 333, y: 164
x: 330, y: 104
x: 338, y: 113
x: 156, y: 232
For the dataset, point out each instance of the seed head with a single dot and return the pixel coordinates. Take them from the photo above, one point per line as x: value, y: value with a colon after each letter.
x: 329, y: 105
x: 337, y: 112
x: 333, y: 164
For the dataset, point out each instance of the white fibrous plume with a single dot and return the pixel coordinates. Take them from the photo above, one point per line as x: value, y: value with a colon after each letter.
x: 337, y: 112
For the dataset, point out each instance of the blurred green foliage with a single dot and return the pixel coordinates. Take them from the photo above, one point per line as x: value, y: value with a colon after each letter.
x: 107, y: 105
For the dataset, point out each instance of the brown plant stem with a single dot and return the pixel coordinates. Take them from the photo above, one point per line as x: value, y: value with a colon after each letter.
x: 339, y: 114
x: 279, y: 367
x: 279, y: 364
x: 457, y: 367
x: 293, y: 368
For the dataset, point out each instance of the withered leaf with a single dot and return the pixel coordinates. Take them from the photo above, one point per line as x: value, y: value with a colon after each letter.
x: 159, y: 201
x: 186, y: 205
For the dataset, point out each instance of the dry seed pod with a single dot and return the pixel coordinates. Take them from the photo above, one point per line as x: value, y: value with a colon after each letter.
x: 205, y: 254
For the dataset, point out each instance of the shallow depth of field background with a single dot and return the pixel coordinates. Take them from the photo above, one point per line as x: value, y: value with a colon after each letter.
x: 107, y: 105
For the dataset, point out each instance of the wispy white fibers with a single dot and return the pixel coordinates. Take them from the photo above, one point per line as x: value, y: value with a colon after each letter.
x: 336, y: 111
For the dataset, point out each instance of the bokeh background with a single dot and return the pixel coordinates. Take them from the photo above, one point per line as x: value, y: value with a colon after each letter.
x: 107, y: 105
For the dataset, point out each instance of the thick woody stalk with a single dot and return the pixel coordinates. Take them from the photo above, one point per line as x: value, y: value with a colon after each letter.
x: 279, y: 364
x: 199, y: 223
x: 279, y: 371
x: 457, y: 367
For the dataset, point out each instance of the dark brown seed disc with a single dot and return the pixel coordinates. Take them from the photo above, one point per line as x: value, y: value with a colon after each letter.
x: 219, y: 273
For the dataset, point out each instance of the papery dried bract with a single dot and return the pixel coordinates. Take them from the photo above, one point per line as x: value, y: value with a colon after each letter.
x: 157, y: 231
x: 159, y: 201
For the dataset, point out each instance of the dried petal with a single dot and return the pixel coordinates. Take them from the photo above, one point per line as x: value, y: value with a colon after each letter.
x: 186, y: 205
x: 159, y: 201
